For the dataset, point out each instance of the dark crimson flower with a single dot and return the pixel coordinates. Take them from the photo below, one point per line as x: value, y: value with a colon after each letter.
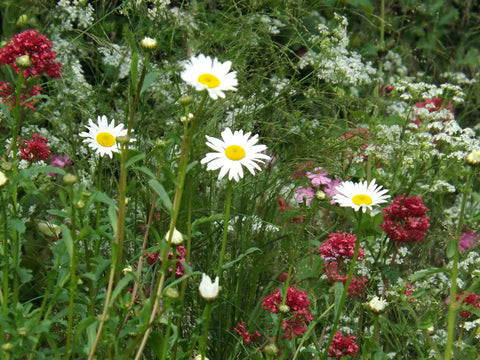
x: 406, y: 219
x: 296, y: 311
x: 342, y: 346
x: 339, y: 247
x: 471, y: 299
x: 35, y: 149
x: 7, y: 93
x: 180, y: 254
x: 37, y: 47
x: 283, y: 206
x: 240, y: 329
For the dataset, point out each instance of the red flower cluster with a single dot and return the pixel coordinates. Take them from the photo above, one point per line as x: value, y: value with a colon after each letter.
x: 356, y: 288
x: 406, y: 219
x: 432, y: 105
x: 181, y: 252
x: 240, y: 329
x: 35, y: 149
x: 37, y: 47
x: 409, y: 292
x: 339, y: 247
x: 342, y: 346
x: 471, y: 299
x: 298, y: 316
x: 8, y: 95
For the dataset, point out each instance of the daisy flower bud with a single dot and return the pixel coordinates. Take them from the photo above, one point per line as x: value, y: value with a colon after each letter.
x: 185, y: 100
x: 271, y: 349
x: 208, y: 289
x: 172, y: 293
x: 377, y: 305
x: 177, y: 237
x: 320, y: 195
x: 70, y: 179
x: 148, y: 43
x: 473, y: 158
x: 3, y: 178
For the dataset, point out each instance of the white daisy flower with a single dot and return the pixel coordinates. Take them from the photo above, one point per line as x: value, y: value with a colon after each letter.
x: 208, y: 289
x: 102, y: 137
x: 360, y: 195
x: 234, y: 151
x: 205, y: 73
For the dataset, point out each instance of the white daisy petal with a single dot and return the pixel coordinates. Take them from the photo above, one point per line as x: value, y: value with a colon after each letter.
x: 205, y: 73
x: 360, y: 195
x: 234, y: 151
x: 101, y: 137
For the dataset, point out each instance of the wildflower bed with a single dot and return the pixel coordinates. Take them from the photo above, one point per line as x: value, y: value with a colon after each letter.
x: 238, y: 180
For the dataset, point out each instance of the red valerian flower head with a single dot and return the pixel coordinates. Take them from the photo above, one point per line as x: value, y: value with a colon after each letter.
x: 296, y: 311
x: 406, y: 220
x: 342, y: 346
x: 35, y: 149
x: 339, y: 247
x: 179, y: 270
x: 37, y: 47
x: 471, y: 299
x: 334, y: 271
x: 240, y: 329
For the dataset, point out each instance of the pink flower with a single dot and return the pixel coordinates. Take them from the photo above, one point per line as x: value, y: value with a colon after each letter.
x: 306, y: 195
x: 37, y: 47
x: 59, y: 161
x: 339, y: 247
x: 35, y: 149
x: 319, y: 177
x: 342, y: 346
x: 240, y: 329
x: 468, y: 240
x: 406, y: 219
x: 296, y: 320
x: 409, y: 292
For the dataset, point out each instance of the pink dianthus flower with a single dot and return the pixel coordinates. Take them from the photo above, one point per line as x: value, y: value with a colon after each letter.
x: 468, y: 240
x: 306, y: 195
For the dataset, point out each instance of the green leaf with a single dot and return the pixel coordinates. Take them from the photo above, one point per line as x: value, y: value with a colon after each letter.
x: 427, y: 272
x: 338, y: 290
x: 162, y: 194
x: 451, y: 248
x: 145, y: 170
x: 240, y: 257
x: 134, y: 70
x: 18, y: 225
x: 149, y: 79
x: 112, y: 214
x: 206, y: 219
x: 67, y: 239
x: 133, y: 159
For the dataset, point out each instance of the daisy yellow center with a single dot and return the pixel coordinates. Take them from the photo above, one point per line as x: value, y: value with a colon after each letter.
x: 210, y: 80
x: 362, y: 199
x: 105, y: 139
x: 235, y: 152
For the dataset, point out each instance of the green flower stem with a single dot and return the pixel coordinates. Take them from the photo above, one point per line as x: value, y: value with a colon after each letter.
x: 117, y: 247
x: 228, y: 203
x: 345, y: 288
x: 98, y: 205
x: 452, y: 309
x: 6, y: 259
x: 182, y: 172
x: 73, y: 278
x: 15, y: 236
x: 202, y: 346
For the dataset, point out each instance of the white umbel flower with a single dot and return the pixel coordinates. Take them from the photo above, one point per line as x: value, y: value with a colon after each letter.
x: 233, y: 152
x: 360, y: 195
x: 208, y: 289
x: 205, y: 73
x: 101, y: 137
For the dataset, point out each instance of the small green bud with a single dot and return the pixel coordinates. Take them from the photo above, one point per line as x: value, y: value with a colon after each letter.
x: 123, y: 139
x: 70, y: 179
x: 185, y: 100
x: 284, y: 309
x: 187, y: 119
x: 80, y: 204
x: 7, y: 346
x: 7, y: 166
x: 271, y: 349
x: 160, y: 143
x: 172, y: 293
x: 23, y: 61
x: 473, y: 158
x: 22, y: 331
x: 320, y: 195
x: 22, y: 19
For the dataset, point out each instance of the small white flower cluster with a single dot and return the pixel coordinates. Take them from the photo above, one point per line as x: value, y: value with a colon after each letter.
x: 74, y: 13
x: 117, y: 56
x: 331, y: 59
x: 458, y: 78
x: 157, y: 9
